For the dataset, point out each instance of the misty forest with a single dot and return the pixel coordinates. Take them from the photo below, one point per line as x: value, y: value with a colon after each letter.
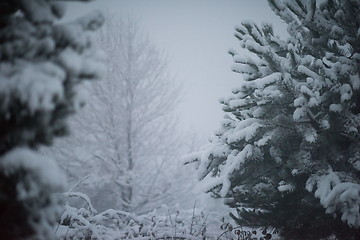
x: 91, y: 146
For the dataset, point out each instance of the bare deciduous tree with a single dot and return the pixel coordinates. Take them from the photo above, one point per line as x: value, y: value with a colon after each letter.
x: 124, y: 149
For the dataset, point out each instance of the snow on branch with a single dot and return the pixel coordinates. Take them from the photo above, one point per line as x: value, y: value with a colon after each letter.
x: 337, y: 196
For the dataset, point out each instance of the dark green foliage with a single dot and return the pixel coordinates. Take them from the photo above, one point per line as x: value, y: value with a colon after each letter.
x: 287, y: 156
x: 28, y: 204
x: 41, y: 66
x: 34, y: 110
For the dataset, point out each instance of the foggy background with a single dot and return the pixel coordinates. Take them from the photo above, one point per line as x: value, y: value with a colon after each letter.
x: 195, y: 36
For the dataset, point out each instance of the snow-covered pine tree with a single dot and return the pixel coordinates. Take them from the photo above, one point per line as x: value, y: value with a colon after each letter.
x: 42, y: 63
x: 287, y: 154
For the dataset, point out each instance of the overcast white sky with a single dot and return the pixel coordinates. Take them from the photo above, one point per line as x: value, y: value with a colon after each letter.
x: 195, y: 35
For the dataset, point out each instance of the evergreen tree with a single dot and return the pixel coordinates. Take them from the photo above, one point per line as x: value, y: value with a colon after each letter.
x: 42, y: 63
x: 287, y: 154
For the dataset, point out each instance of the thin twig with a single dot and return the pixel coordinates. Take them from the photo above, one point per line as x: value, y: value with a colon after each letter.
x: 192, y: 218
